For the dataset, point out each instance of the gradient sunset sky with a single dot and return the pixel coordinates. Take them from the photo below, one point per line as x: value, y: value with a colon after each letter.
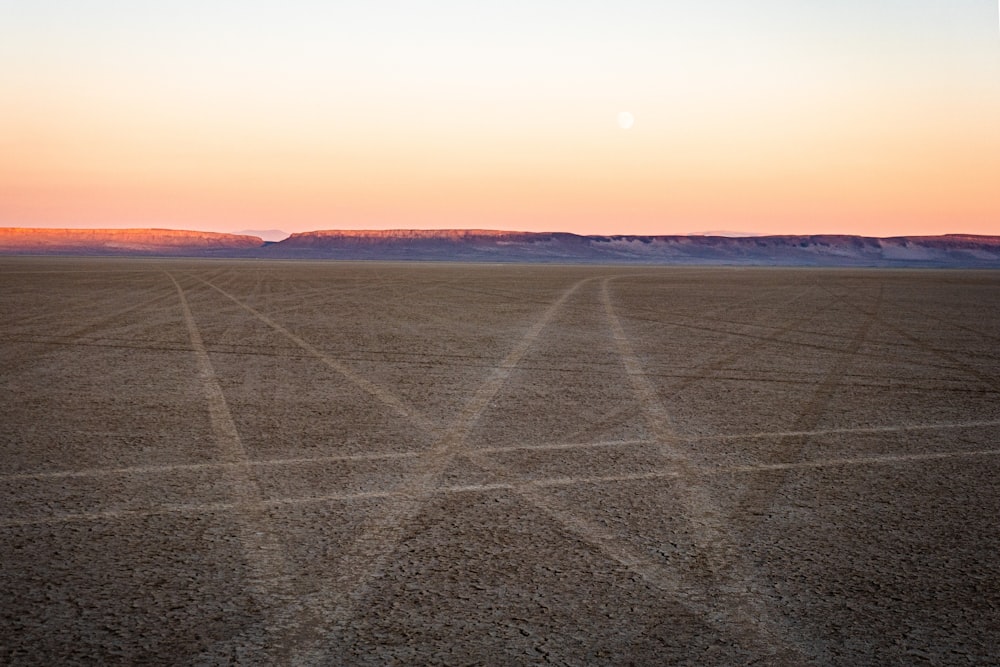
x: 771, y: 116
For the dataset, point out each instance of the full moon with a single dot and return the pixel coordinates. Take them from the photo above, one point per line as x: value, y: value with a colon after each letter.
x: 625, y: 120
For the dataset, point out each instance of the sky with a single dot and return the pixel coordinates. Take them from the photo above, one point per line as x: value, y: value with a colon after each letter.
x: 773, y: 116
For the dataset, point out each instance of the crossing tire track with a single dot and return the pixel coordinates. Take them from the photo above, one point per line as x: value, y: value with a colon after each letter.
x: 370, y: 551
x: 270, y: 576
x: 723, y: 575
x: 761, y: 492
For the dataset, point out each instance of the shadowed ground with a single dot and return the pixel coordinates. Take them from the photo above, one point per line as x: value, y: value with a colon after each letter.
x: 369, y: 463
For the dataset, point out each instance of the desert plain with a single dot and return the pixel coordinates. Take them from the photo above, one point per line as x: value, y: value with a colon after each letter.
x: 325, y: 463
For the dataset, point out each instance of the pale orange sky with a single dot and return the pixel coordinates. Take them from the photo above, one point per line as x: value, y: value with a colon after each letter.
x: 300, y: 116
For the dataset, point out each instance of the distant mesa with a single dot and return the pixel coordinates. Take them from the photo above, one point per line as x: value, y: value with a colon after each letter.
x: 161, y: 242
x: 486, y: 245
x: 479, y: 245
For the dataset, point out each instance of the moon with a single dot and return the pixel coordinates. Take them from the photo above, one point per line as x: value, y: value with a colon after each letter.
x: 625, y: 120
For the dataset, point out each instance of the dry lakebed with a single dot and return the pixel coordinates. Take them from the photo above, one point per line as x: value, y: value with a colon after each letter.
x: 322, y: 463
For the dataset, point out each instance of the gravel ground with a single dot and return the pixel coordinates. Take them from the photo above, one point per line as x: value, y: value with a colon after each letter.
x: 238, y: 462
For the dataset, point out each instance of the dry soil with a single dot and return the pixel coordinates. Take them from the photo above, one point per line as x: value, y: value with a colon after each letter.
x: 212, y: 462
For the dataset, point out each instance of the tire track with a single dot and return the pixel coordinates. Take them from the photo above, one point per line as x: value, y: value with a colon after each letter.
x: 386, y: 534
x: 371, y: 388
x: 373, y: 554
x: 70, y: 308
x: 760, y: 495
x: 330, y: 295
x: 565, y: 519
x: 750, y: 626
x: 195, y: 467
x: 848, y: 431
x: 951, y: 323
x: 599, y: 538
x: 270, y: 576
x: 954, y: 362
x: 76, y: 335
x: 366, y: 557
x: 725, y: 359
x: 714, y: 364
x: 556, y: 446
x: 799, y: 344
x: 725, y: 577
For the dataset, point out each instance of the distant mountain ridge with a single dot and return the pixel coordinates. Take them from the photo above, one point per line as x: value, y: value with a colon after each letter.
x: 43, y: 241
x: 484, y: 245
x: 959, y: 250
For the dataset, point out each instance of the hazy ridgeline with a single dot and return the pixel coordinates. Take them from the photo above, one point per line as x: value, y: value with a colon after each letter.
x: 495, y: 246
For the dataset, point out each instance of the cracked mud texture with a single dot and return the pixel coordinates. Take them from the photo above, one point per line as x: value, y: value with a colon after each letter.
x: 320, y: 463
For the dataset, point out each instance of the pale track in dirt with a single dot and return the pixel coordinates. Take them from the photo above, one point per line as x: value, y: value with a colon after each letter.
x: 155, y: 469
x: 369, y: 551
x: 544, y: 482
x: 271, y: 578
x: 310, y: 620
x: 762, y: 491
x: 727, y: 576
x: 653, y: 572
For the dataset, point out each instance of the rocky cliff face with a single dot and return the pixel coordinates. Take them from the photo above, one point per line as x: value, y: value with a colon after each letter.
x: 31, y: 241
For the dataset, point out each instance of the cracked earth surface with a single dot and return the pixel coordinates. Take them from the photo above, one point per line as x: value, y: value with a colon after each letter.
x: 236, y: 462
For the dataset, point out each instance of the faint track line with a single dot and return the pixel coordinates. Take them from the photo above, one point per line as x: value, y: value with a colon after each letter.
x: 961, y: 327
x: 215, y: 465
x: 358, y: 380
x: 517, y: 487
x: 860, y: 430
x: 796, y: 344
x: 603, y: 540
x: 716, y: 363
x: 955, y: 363
x: 531, y: 490
x: 760, y: 495
x: 368, y: 553
x: 619, y: 412
x: 270, y: 574
x: 863, y: 460
x: 568, y: 446
x: 556, y: 446
x: 74, y: 335
x: 745, y: 614
x: 704, y: 371
x: 608, y: 544
x: 97, y: 323
x: 706, y: 471
x: 391, y: 537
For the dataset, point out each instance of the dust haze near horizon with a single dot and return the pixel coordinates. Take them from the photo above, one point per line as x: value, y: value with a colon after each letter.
x: 780, y: 117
